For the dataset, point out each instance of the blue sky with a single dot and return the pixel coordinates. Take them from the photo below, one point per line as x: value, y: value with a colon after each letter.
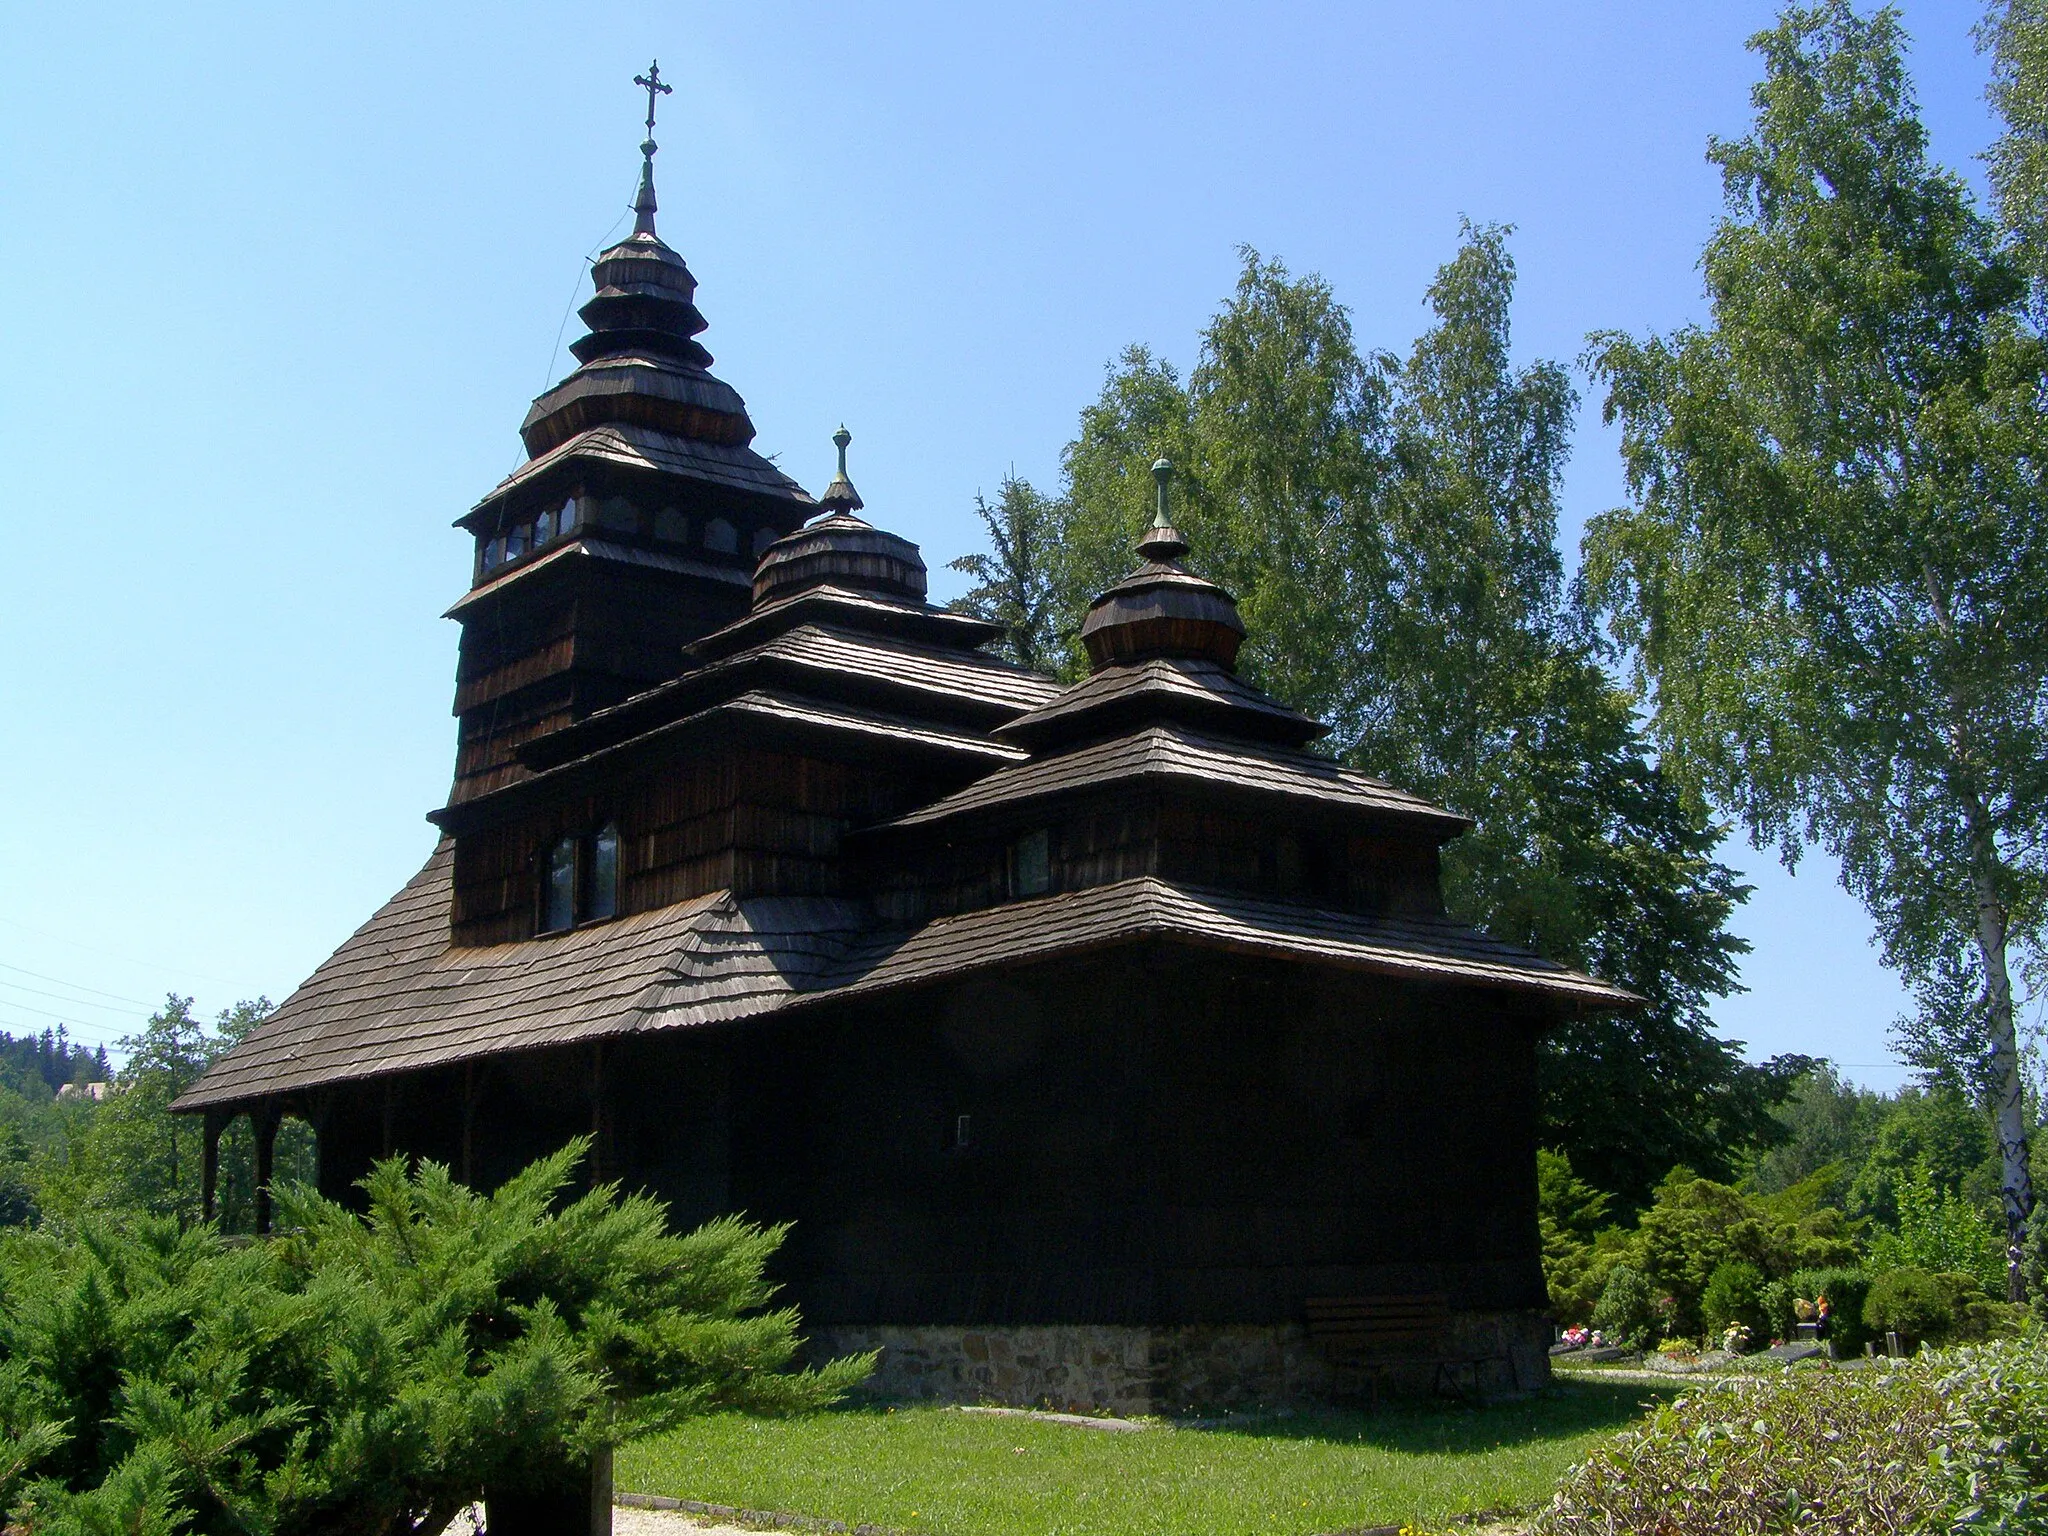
x: 277, y: 283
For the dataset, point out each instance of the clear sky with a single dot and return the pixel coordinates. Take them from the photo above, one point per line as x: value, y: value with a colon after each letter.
x: 277, y: 283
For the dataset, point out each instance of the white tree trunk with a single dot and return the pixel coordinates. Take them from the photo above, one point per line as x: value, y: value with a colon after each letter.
x: 2016, y: 1184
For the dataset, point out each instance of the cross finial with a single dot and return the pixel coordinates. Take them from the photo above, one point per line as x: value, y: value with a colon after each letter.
x: 654, y: 85
x: 643, y: 200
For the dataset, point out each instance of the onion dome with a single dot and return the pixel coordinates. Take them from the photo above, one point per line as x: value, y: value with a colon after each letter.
x: 840, y: 550
x: 641, y: 362
x: 1162, y: 609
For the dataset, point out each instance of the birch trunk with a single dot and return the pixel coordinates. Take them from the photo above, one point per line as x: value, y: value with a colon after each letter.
x: 2016, y: 1184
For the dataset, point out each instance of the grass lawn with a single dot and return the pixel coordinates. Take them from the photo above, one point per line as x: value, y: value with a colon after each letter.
x: 961, y: 1474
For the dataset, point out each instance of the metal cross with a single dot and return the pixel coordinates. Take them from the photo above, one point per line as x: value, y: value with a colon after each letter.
x: 652, y: 83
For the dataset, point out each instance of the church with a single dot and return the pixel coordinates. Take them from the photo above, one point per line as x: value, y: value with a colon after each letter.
x: 1104, y: 1045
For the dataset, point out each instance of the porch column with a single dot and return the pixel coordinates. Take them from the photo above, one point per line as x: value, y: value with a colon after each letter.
x: 264, y: 1120
x: 209, y: 1162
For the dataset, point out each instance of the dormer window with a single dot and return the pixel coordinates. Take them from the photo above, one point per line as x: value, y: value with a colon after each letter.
x: 580, y: 883
x: 1031, y: 864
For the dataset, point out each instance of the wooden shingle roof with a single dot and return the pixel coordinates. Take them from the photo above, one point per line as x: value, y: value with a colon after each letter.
x: 1171, y: 752
x: 397, y: 997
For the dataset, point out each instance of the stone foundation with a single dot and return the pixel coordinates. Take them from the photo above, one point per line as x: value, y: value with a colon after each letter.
x: 1131, y: 1370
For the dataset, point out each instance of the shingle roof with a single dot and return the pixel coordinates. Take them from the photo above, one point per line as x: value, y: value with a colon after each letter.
x: 638, y: 447
x: 1200, y: 692
x: 1174, y: 752
x: 396, y: 997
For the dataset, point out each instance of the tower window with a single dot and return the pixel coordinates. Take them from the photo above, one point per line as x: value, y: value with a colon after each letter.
x: 565, y: 519
x: 580, y: 880
x: 603, y: 898
x: 559, y: 897
x: 494, y: 554
x: 721, y: 537
x: 671, y: 526
x: 617, y: 513
x: 515, y: 541
x: 763, y: 537
x: 543, y: 529
x: 1031, y: 864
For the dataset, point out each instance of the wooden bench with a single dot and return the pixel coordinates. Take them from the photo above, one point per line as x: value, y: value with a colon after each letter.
x: 1377, y: 1334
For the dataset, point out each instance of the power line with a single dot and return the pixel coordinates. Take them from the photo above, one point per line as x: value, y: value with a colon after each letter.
x: 122, y: 1007
x: 107, y: 954
x: 76, y: 986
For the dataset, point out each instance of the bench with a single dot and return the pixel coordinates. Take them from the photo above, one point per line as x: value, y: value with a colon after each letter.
x: 1377, y: 1334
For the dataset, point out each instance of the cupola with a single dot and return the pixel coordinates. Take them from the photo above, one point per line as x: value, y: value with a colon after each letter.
x: 840, y: 550
x: 1162, y: 609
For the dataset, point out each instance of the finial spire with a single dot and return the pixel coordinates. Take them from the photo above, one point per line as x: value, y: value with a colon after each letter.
x: 840, y: 497
x: 643, y: 200
x: 1162, y: 543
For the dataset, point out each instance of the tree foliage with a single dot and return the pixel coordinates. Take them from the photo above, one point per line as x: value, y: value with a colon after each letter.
x: 129, y: 1153
x: 1834, y: 569
x: 375, y: 1373
x: 1014, y: 581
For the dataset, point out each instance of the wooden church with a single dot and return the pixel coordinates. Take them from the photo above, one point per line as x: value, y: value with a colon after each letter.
x: 1105, y: 1044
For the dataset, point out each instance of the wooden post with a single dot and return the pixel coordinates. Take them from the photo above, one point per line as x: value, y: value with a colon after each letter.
x: 597, y: 1157
x: 469, y: 1124
x: 264, y: 1119
x: 209, y: 1162
x: 390, y: 1113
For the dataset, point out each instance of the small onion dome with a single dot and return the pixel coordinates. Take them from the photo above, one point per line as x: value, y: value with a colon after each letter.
x: 1161, y: 608
x: 840, y: 550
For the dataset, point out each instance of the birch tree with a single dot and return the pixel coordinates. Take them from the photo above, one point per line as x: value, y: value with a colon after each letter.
x: 1833, y: 571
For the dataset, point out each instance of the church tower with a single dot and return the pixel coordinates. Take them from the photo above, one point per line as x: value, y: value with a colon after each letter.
x: 634, y: 525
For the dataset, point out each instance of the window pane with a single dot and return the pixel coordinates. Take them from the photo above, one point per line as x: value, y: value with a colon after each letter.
x: 561, y: 890
x: 494, y: 553
x: 515, y: 543
x: 1031, y: 864
x: 543, y: 528
x: 604, y: 874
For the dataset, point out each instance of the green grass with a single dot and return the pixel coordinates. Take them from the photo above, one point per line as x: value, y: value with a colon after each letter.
x: 958, y: 1474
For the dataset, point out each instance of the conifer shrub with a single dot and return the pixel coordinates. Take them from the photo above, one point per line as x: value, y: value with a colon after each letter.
x: 1734, y: 1295
x: 1627, y: 1309
x: 372, y: 1374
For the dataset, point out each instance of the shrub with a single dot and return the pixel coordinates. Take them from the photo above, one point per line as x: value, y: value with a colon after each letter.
x: 1953, y: 1440
x: 371, y: 1374
x: 1627, y: 1309
x: 1846, y: 1290
x: 1734, y: 1294
x: 1775, y: 1301
x: 1910, y: 1303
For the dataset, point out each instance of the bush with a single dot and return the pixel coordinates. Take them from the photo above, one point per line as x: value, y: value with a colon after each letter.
x: 1734, y: 1295
x: 1951, y: 1440
x: 1910, y: 1303
x: 1627, y: 1309
x: 1775, y: 1301
x: 1846, y: 1290
x: 371, y: 1374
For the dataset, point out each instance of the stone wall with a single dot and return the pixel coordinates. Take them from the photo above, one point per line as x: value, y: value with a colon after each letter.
x: 1131, y: 1370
